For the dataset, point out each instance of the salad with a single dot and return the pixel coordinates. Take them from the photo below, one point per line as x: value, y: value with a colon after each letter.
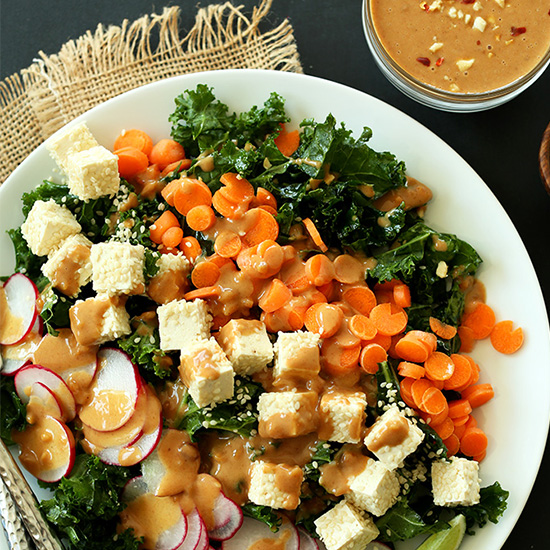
x: 244, y: 319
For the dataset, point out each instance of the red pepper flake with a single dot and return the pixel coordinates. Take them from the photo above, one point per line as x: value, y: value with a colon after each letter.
x: 439, y: 62
x: 424, y: 61
x: 426, y: 7
x: 516, y: 31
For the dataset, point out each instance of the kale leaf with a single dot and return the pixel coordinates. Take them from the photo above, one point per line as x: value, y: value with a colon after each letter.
x: 324, y: 453
x: 14, y: 412
x: 266, y: 514
x: 85, y: 505
x: 25, y: 261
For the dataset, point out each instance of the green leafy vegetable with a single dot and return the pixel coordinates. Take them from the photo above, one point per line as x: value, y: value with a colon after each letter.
x: 55, y: 311
x: 14, y: 411
x: 25, y: 261
x: 263, y: 513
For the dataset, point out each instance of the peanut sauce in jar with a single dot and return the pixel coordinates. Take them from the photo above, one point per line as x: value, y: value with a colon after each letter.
x: 463, y: 46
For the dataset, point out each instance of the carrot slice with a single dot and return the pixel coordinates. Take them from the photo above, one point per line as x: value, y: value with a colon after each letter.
x: 506, y: 339
x: 288, y: 142
x: 443, y: 330
x: 227, y: 208
x: 453, y: 445
x: 205, y: 274
x: 314, y: 234
x: 228, y: 244
x: 319, y: 270
x: 459, y: 429
x: 191, y: 247
x: 201, y: 218
x: 382, y: 340
x: 237, y: 189
x: 172, y: 237
x: 439, y: 366
x: 371, y: 356
x: 402, y: 295
x: 417, y: 390
x: 411, y: 370
x: 480, y: 320
x: 177, y: 167
x: 264, y: 227
x: 134, y: 138
x: 445, y: 429
x: 478, y: 394
x: 188, y: 193
x: 405, y: 387
x: 360, y: 298
x: 166, y: 151
x: 362, y: 327
x: 459, y: 407
x: 164, y: 222
x: 412, y: 347
x: 205, y: 292
x: 473, y: 442
x: 265, y: 198
x: 434, y: 402
x: 389, y: 319
x: 461, y: 373
x: 323, y: 319
x: 275, y: 297
x: 348, y: 269
x: 131, y: 161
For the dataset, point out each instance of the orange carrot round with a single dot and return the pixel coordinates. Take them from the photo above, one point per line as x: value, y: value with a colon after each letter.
x: 188, y: 193
x: 433, y: 401
x: 172, y: 237
x: 402, y: 295
x: 461, y: 373
x: 164, y: 222
x: 411, y: 370
x: 348, y: 269
x: 265, y: 198
x: 319, y: 270
x: 405, y: 387
x: 323, y: 319
x: 506, y: 339
x: 275, y: 297
x: 467, y: 340
x: 412, y: 348
x: 480, y: 320
x: 360, y: 298
x: 459, y: 407
x: 371, y: 356
x: 478, y: 394
x: 134, y: 138
x: 389, y: 319
x: 314, y: 234
x: 453, y: 445
x: 443, y: 330
x: 228, y: 244
x: 418, y: 389
x: 439, y: 366
x: 205, y: 274
x: 362, y: 327
x: 191, y: 247
x: 166, y: 151
x: 288, y: 142
x: 200, y: 218
x: 131, y: 161
x: 203, y: 293
x: 473, y: 442
x: 445, y: 429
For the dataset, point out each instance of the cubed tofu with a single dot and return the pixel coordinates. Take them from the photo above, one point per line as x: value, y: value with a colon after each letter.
x: 375, y: 489
x: 206, y: 372
x: 342, y: 415
x: 117, y: 268
x: 171, y: 282
x: 296, y: 357
x: 71, y: 140
x: 93, y: 173
x: 183, y: 322
x: 99, y: 319
x: 287, y: 414
x: 247, y: 345
x: 69, y: 267
x: 345, y: 527
x: 455, y: 482
x: 275, y: 485
x: 47, y: 226
x: 393, y: 437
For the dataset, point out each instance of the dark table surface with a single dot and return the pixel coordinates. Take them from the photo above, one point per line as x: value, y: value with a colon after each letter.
x: 500, y: 144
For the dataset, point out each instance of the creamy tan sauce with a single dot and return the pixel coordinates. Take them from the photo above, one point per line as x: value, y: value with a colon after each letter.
x: 393, y: 433
x: 66, y: 277
x: 10, y: 325
x: 445, y: 45
x: 167, y: 286
x: 87, y: 319
x: 337, y: 475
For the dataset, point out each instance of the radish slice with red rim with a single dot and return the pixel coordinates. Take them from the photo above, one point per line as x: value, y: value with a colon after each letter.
x: 18, y: 298
x: 114, y: 392
x: 26, y: 376
x: 42, y: 402
x: 253, y: 530
x: 17, y: 356
x: 307, y: 542
x: 228, y: 518
x: 196, y: 538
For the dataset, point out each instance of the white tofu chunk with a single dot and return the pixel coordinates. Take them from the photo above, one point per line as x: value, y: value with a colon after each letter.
x: 247, y: 345
x: 342, y: 415
x: 455, y: 482
x: 393, y: 437
x: 296, y: 357
x: 117, y: 268
x: 98, y: 320
x: 74, y: 139
x: 275, y: 485
x: 69, y: 267
x: 47, y: 226
x: 171, y: 282
x: 375, y: 489
x: 206, y: 372
x: 287, y: 414
x: 345, y: 527
x: 93, y: 173
x: 181, y: 323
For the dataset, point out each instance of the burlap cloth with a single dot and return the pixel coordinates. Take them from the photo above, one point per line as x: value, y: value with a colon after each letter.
x: 55, y: 89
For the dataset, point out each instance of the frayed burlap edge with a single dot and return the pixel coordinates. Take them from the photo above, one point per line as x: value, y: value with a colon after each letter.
x: 98, y: 66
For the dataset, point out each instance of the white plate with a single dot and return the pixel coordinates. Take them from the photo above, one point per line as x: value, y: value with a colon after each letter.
x: 516, y: 420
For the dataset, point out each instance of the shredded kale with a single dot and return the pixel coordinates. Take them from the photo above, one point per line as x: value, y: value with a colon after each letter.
x: 324, y: 453
x: 14, y: 411
x: 238, y: 415
x: 85, y: 505
x: 55, y: 311
x: 263, y: 513
x: 25, y: 261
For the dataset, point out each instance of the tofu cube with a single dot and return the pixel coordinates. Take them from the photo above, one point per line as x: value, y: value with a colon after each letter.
x: 375, y: 489
x: 98, y: 320
x: 69, y: 267
x: 287, y: 414
x: 393, y: 437
x: 247, y: 345
x: 206, y: 372
x: 342, y: 415
x: 93, y: 173
x: 170, y: 283
x: 181, y: 323
x: 275, y: 485
x: 296, y: 357
x: 47, y: 226
x: 71, y: 140
x: 455, y: 482
x: 345, y: 527
x: 117, y: 268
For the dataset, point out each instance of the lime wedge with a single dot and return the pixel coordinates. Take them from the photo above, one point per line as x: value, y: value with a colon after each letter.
x: 449, y: 539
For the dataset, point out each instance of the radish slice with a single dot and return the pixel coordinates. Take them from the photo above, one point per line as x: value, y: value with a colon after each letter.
x: 307, y: 542
x: 128, y: 455
x: 253, y: 530
x: 196, y: 538
x: 18, y: 296
x: 42, y: 402
x: 31, y: 374
x: 17, y: 356
x: 228, y: 518
x: 114, y: 392
x: 136, y: 492
x: 47, y: 449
